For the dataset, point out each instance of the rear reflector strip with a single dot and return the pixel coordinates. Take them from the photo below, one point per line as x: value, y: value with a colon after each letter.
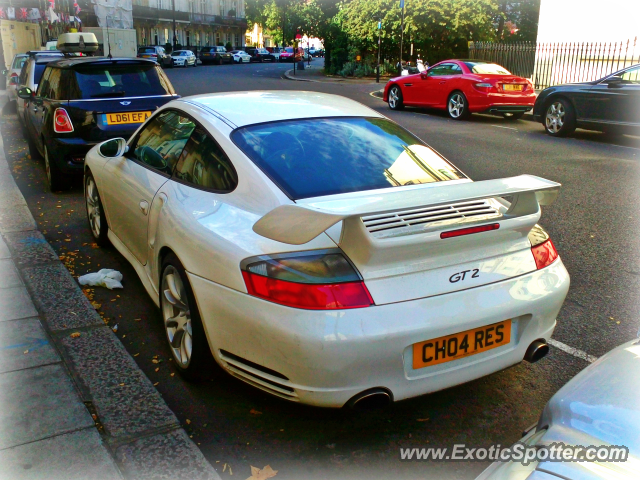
x: 469, y: 231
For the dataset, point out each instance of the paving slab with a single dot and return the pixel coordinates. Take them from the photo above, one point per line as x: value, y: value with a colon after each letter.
x: 38, y: 403
x: 24, y: 344
x: 164, y: 456
x: 29, y: 248
x: 15, y: 303
x: 59, y: 298
x: 9, y: 276
x: 4, y: 250
x: 84, y: 458
x: 16, y: 219
x: 10, y: 196
x: 125, y: 400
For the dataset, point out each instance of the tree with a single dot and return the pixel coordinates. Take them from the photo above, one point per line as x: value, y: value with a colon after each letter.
x: 524, y: 14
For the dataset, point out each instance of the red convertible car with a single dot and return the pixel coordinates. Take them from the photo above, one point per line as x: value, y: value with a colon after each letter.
x: 462, y: 87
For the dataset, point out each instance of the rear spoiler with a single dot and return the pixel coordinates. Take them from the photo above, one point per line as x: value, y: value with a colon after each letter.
x: 300, y: 223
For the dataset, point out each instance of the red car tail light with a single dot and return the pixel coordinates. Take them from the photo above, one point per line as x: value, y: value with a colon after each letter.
x: 483, y: 86
x: 543, y: 249
x: 313, y: 280
x: 62, y: 121
x: 13, y: 74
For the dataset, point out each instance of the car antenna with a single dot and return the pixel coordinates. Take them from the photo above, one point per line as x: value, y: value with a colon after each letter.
x: 108, y: 39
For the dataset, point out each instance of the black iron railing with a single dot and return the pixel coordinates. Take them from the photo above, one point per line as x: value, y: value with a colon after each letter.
x: 548, y: 64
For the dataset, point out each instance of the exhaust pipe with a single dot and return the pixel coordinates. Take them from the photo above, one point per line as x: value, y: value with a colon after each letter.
x: 536, y: 351
x: 372, y: 399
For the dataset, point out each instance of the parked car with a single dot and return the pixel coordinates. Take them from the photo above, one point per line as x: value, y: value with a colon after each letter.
x: 30, y: 76
x: 260, y: 55
x: 462, y: 87
x: 288, y: 56
x: 85, y: 100
x: 275, y: 51
x: 289, y: 221
x: 316, y: 52
x: 156, y: 53
x: 240, y: 56
x: 611, y: 104
x: 597, y: 408
x: 217, y: 55
x: 12, y: 74
x: 184, y: 58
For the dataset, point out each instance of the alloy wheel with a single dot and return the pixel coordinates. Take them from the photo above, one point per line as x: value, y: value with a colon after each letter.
x: 554, y: 119
x: 456, y: 105
x: 93, y: 207
x: 177, y: 316
x: 394, y: 98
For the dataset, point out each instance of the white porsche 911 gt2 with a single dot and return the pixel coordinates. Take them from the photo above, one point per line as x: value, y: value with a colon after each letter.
x: 321, y: 252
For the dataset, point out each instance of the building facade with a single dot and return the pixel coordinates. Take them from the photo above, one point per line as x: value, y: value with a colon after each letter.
x: 197, y: 23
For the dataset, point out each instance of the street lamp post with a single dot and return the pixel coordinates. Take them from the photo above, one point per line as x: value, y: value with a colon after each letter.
x: 379, y: 43
x: 401, y: 34
x: 173, y: 4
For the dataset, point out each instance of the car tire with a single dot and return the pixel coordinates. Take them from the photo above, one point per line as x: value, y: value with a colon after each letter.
x: 95, y: 212
x: 54, y: 176
x: 513, y: 116
x: 559, y: 118
x: 395, y: 98
x: 182, y: 322
x: 33, y: 148
x: 457, y: 106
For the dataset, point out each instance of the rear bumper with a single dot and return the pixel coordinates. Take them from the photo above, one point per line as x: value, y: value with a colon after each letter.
x: 480, y: 102
x: 68, y: 154
x: 328, y: 357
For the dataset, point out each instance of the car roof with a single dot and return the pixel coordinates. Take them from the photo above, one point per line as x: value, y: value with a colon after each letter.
x: 42, y: 59
x: 247, y: 108
x: 72, y: 62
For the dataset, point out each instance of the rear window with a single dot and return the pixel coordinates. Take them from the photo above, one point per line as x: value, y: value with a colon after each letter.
x: 487, y: 68
x: 105, y: 81
x: 316, y: 157
x: 146, y: 50
x: 18, y: 62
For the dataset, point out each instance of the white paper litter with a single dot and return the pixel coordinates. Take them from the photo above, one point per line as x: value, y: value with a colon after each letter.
x: 104, y: 278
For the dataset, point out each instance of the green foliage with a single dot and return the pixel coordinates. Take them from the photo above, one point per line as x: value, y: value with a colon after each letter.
x: 228, y: 46
x: 524, y: 14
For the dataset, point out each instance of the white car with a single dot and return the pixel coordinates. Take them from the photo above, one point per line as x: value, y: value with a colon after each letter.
x: 323, y: 253
x: 183, y: 58
x: 12, y: 75
x: 240, y: 56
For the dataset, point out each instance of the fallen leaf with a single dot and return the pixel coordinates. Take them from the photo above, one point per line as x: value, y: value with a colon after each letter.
x: 157, y: 369
x: 156, y: 384
x: 135, y: 355
x: 188, y: 421
x: 137, y: 319
x: 255, y: 412
x: 26, y: 351
x: 67, y: 239
x: 172, y: 374
x: 75, y: 334
x: 422, y: 419
x: 96, y: 305
x: 266, y: 472
x: 121, y: 384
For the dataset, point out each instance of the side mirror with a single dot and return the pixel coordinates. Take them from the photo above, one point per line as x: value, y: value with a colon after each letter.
x: 116, y: 147
x: 25, y: 93
x: 614, y: 82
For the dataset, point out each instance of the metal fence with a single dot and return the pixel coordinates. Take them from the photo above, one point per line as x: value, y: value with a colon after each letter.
x: 548, y: 64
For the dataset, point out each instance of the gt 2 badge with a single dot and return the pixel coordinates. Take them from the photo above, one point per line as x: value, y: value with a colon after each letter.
x: 457, y: 277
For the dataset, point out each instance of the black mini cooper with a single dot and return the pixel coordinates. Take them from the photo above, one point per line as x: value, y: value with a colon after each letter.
x: 83, y: 101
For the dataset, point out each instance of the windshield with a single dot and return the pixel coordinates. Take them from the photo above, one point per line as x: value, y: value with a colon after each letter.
x: 18, y: 62
x: 108, y: 80
x: 289, y: 49
x: 146, y: 50
x: 316, y: 157
x: 487, y: 68
x: 181, y: 53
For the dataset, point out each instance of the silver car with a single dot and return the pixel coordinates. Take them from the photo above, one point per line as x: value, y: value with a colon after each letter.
x: 30, y: 76
x: 598, y: 409
x: 12, y: 75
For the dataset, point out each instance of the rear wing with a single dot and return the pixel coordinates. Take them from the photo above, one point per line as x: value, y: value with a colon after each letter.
x: 301, y: 223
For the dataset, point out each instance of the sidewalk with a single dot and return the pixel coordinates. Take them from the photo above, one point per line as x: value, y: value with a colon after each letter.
x: 73, y: 403
x: 315, y: 73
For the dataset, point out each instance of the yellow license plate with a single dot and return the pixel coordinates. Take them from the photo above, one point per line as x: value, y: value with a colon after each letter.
x: 128, y: 117
x: 463, y: 344
x: 512, y: 88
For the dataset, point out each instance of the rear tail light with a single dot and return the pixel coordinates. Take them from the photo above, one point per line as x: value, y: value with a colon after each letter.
x: 314, y: 280
x: 13, y: 74
x: 483, y: 87
x: 62, y: 121
x: 543, y: 249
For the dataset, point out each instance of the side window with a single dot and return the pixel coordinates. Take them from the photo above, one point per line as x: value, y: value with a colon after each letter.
x: 631, y: 76
x: 43, y: 86
x: 438, y: 71
x: 204, y: 164
x: 52, y: 91
x: 455, y: 70
x: 24, y: 73
x: 161, y: 141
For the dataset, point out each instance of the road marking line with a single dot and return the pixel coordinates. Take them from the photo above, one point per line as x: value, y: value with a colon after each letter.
x: 508, y: 128
x: 572, y: 351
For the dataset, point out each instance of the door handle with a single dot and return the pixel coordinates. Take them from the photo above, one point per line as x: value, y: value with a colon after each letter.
x: 443, y: 82
x: 144, y: 207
